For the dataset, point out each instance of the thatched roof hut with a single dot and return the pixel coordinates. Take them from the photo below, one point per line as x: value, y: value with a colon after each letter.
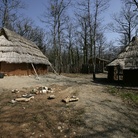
x: 126, y: 62
x: 18, y: 53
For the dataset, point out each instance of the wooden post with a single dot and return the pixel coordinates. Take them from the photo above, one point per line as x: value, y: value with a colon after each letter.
x: 118, y: 71
x: 53, y: 69
x: 35, y: 71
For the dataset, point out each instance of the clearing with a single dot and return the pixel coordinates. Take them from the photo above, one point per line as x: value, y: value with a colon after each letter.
x: 97, y: 113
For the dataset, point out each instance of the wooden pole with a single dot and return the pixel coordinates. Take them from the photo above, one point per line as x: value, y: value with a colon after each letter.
x: 53, y: 69
x: 35, y: 71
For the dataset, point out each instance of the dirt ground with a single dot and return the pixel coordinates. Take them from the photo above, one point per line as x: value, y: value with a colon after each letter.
x: 97, y: 114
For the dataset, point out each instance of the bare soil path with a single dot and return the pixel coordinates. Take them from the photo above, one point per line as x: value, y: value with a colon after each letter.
x: 103, y: 115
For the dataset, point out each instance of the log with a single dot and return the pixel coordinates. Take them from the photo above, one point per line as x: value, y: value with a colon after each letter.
x: 73, y: 99
x: 70, y: 99
x: 15, y: 91
x: 24, y: 99
x: 66, y: 100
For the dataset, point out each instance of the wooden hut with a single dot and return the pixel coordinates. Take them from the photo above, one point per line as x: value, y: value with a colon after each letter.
x: 100, y: 65
x: 19, y: 56
x: 125, y: 66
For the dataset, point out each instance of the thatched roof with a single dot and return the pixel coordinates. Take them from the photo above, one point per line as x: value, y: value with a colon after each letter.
x: 128, y: 58
x: 16, y: 49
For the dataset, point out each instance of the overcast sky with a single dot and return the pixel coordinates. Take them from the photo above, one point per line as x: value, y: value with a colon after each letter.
x: 35, y: 8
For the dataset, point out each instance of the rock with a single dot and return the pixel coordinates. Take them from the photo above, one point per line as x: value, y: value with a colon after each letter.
x: 13, y: 101
x: 43, y: 88
x: 61, y: 130
x: 49, y: 89
x: 28, y: 96
x: 33, y: 133
x: 59, y: 127
x: 51, y: 97
x: 43, y: 91
x: 34, y: 91
x: 15, y: 91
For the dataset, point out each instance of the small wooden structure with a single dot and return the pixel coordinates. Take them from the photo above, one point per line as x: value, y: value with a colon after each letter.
x: 19, y: 56
x: 125, y: 66
x: 100, y: 65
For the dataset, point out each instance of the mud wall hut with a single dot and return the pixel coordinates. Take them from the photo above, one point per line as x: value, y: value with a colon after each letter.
x: 19, y: 56
x: 125, y: 66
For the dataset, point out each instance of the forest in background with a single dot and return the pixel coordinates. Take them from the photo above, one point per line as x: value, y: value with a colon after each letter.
x: 70, y: 41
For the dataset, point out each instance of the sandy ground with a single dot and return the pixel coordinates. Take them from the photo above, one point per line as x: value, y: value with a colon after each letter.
x: 106, y: 116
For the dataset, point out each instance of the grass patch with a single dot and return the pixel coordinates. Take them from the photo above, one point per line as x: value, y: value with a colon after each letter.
x: 131, y: 96
x: 112, y: 90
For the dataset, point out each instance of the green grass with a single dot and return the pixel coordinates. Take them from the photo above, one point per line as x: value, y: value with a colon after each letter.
x: 128, y: 95
x: 112, y: 90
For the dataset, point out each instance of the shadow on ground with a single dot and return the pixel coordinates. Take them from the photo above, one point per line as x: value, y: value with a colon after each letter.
x: 104, y: 81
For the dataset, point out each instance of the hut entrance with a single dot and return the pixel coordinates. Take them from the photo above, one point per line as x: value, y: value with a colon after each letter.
x: 118, y: 73
x: 115, y: 73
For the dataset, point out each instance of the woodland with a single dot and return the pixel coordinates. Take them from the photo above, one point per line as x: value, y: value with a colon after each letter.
x: 70, y: 40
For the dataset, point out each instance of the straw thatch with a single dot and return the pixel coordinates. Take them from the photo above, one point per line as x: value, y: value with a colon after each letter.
x: 16, y: 49
x: 128, y: 58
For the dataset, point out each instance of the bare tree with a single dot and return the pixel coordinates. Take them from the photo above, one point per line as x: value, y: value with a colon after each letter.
x: 55, y: 18
x: 125, y: 24
x: 101, y: 44
x: 26, y: 28
x: 135, y: 2
x: 82, y: 33
x: 11, y: 19
x: 132, y: 2
x: 99, y: 7
x: 85, y: 28
x: 70, y: 40
x: 9, y: 12
x: 111, y: 51
x: 89, y: 17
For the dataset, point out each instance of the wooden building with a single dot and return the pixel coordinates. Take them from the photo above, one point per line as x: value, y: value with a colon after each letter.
x: 100, y: 65
x: 19, y: 56
x: 125, y: 66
